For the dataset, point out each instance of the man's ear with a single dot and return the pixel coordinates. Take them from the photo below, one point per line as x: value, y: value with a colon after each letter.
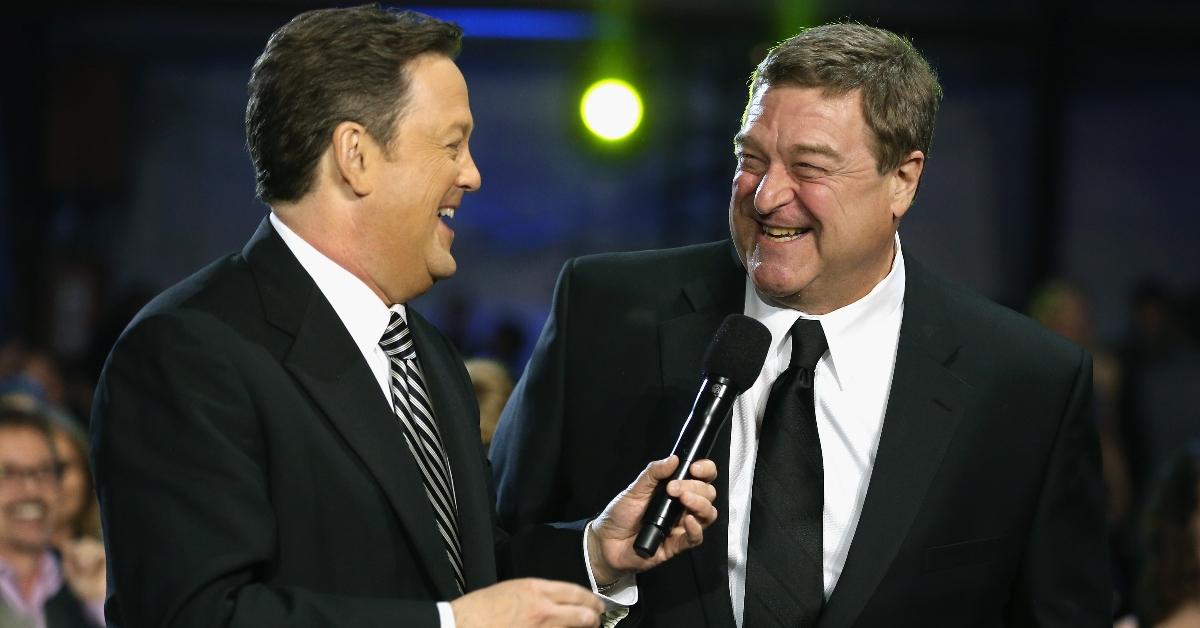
x: 904, y: 182
x: 352, y: 155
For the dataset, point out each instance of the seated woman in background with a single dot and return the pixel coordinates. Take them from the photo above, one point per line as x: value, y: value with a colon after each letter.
x: 77, y: 534
x: 79, y: 512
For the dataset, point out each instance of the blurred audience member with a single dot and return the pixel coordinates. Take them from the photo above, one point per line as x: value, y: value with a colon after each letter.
x: 1161, y: 372
x: 1154, y: 325
x: 42, y: 368
x: 12, y: 354
x: 78, y: 517
x: 39, y: 373
x: 493, y: 385
x: 1062, y: 307
x: 35, y: 589
x: 1169, y: 587
x: 507, y: 345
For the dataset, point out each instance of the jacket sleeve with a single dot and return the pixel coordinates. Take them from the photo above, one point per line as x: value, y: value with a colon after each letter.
x: 179, y: 460
x: 1064, y: 580
x: 527, y: 447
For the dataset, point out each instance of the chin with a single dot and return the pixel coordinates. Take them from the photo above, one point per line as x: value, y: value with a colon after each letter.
x: 778, y: 283
x: 443, y: 270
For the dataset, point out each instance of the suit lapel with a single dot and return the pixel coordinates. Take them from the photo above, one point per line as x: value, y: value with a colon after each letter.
x: 684, y: 338
x: 327, y: 364
x: 924, y: 407
x: 458, y: 420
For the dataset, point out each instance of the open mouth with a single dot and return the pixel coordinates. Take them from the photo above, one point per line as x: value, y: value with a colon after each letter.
x: 446, y: 213
x: 27, y: 511
x: 784, y: 234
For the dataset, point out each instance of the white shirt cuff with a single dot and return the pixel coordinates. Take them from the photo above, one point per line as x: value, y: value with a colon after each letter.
x: 621, y: 594
x: 445, y: 615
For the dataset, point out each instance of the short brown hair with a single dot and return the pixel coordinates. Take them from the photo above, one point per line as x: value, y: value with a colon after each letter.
x: 325, y: 67
x: 900, y: 92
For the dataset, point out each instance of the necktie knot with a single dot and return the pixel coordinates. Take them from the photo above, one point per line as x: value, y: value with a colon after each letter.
x: 397, y: 341
x: 808, y: 343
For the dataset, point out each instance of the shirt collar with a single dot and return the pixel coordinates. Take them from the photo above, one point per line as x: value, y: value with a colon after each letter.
x: 853, y: 331
x: 49, y: 578
x: 363, y: 313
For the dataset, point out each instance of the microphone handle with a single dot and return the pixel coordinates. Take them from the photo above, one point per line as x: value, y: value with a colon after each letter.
x: 710, y: 411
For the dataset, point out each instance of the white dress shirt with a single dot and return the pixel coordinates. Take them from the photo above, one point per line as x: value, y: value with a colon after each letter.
x: 852, y: 383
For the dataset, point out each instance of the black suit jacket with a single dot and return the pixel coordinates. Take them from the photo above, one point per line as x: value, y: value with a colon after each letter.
x: 251, y: 472
x: 64, y: 610
x: 984, y: 505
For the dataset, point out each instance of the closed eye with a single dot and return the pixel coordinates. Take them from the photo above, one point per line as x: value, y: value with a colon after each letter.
x: 750, y: 163
x: 807, y: 171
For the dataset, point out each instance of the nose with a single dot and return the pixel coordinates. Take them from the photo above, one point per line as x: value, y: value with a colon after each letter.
x: 775, y: 189
x: 31, y: 485
x: 469, y: 178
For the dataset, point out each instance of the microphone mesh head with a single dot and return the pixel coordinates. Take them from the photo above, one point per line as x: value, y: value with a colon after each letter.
x: 737, y: 351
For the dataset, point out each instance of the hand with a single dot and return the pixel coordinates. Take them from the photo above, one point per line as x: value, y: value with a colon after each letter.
x: 528, y: 602
x: 610, y: 543
x: 83, y: 562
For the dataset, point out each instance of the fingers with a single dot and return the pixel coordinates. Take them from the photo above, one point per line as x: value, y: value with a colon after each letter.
x: 573, y: 604
x: 83, y: 556
x: 568, y: 594
x: 703, y: 470
x: 528, y: 602
x: 700, y: 506
x: 660, y: 470
x: 677, y: 488
x: 693, y: 530
x: 576, y: 617
x: 654, y: 473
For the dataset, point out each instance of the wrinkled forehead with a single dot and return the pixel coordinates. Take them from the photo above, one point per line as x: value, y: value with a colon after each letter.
x: 784, y: 103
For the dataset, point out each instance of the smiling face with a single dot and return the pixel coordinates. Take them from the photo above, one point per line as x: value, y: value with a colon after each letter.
x: 29, y: 490
x: 812, y: 218
x: 418, y: 184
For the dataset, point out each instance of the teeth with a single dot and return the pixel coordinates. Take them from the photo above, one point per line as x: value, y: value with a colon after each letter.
x: 779, y: 232
x: 446, y: 212
x: 28, y: 511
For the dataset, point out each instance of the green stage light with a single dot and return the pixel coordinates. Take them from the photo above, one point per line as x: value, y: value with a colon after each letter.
x: 612, y: 109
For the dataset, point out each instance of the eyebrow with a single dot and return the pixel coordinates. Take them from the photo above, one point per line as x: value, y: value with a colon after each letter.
x: 818, y: 149
x: 742, y: 139
x: 462, y: 126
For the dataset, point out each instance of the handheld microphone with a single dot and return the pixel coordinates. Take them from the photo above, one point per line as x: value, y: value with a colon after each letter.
x: 732, y: 363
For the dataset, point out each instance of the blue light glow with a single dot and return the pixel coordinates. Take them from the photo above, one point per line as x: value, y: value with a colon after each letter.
x: 516, y: 23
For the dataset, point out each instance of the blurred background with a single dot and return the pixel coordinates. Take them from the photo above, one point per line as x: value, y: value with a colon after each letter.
x: 1062, y: 180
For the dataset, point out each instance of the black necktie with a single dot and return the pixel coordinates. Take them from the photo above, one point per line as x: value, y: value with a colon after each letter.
x: 410, y: 401
x: 784, y: 585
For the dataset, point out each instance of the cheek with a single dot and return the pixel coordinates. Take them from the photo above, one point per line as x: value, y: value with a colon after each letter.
x: 822, y: 203
x: 72, y: 485
x: 744, y: 185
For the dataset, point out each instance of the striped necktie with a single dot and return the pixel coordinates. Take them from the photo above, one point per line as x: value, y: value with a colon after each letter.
x: 410, y: 402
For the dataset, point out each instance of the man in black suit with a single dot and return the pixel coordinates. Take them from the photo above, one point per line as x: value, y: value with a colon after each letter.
x: 279, y: 440
x: 911, y: 455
